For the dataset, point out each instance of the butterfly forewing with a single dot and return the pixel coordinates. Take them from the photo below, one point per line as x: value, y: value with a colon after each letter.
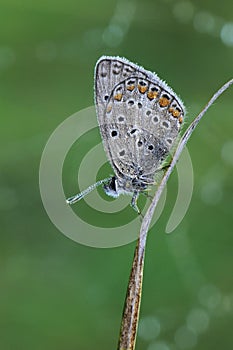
x: 139, y: 117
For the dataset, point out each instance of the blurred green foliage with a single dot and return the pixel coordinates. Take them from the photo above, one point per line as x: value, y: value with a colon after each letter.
x: 55, y: 293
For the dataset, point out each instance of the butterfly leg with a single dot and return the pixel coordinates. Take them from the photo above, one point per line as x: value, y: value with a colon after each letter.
x: 134, y: 202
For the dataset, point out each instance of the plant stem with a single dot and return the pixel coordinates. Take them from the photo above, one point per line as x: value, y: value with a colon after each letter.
x: 133, y: 299
x: 130, y: 318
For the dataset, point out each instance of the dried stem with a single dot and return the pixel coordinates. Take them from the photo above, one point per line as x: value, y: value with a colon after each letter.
x: 130, y: 317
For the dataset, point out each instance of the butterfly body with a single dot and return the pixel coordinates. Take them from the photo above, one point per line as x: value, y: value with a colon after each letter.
x: 139, y: 118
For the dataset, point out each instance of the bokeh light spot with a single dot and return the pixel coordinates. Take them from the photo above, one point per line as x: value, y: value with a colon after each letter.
x: 185, y: 338
x: 227, y: 152
x: 149, y: 328
x: 198, y: 320
x: 209, y: 296
x: 183, y: 11
x: 227, y: 34
x: 113, y: 35
x: 204, y: 22
x: 158, y: 346
x: 212, y: 192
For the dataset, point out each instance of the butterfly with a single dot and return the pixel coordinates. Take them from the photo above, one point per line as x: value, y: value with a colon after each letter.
x: 140, y: 118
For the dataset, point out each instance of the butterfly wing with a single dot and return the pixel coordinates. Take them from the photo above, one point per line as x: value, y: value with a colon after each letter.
x: 139, y: 117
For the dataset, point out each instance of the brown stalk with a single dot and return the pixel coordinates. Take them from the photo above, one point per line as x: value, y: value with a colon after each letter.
x: 130, y: 318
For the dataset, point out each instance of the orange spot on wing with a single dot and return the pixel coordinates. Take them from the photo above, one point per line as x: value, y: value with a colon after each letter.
x: 180, y: 120
x: 164, y: 102
x: 142, y: 89
x: 176, y: 113
x: 152, y: 94
x: 130, y: 87
x: 118, y: 97
x: 109, y: 108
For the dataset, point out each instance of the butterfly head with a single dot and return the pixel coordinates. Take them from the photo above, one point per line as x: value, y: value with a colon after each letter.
x: 117, y: 185
x: 111, y: 188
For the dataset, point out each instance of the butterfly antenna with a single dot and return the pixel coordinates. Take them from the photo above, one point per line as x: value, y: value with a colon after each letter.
x: 80, y: 195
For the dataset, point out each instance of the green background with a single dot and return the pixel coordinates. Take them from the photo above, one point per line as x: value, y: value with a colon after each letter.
x: 55, y: 293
